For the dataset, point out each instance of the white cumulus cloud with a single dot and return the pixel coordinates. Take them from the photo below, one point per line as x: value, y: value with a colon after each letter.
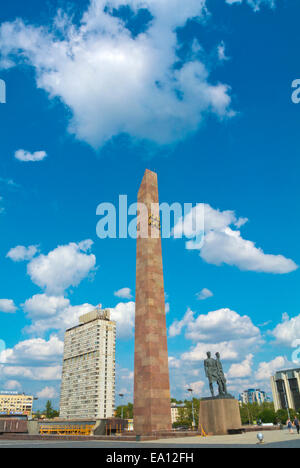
x: 255, y: 4
x: 53, y: 313
x: 12, y: 385
x: 33, y: 359
x: 204, y: 294
x: 231, y: 351
x: 267, y: 369
x: 21, y: 253
x: 7, y: 306
x: 117, y: 82
x: 33, y: 351
x: 221, y: 325
x: 124, y: 293
x: 243, y: 369
x: 224, y: 244
x: 288, y: 331
x: 178, y: 325
x: 65, y: 266
x: 223, y: 331
x: 174, y: 363
x: 26, y: 156
x: 35, y: 373
x: 124, y: 315
x: 197, y: 387
x: 47, y: 392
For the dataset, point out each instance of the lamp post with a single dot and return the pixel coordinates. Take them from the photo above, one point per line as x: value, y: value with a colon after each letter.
x: 121, y: 396
x: 31, y: 413
x: 190, y: 390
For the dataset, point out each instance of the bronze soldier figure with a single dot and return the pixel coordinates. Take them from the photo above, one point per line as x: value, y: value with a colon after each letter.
x: 222, y: 382
x: 211, y: 372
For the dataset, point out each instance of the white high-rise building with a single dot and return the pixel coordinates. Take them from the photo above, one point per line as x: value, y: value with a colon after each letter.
x: 88, y: 376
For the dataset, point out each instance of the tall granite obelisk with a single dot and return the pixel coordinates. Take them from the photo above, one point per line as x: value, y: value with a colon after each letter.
x: 152, y: 404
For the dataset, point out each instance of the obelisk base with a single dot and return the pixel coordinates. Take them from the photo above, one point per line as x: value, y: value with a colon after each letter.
x: 218, y: 416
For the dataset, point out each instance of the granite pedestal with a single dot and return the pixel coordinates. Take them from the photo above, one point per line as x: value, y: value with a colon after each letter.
x: 218, y: 416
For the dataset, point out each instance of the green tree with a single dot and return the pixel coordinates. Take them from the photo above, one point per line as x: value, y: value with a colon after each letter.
x: 245, y: 414
x: 253, y: 412
x: 267, y: 416
x: 282, y: 415
x: 127, y: 411
x: 49, y: 412
x: 249, y: 413
x: 37, y: 414
x: 178, y: 402
x: 185, y: 414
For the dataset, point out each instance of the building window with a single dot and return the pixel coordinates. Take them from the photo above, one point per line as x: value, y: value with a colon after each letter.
x: 295, y: 392
x: 281, y: 391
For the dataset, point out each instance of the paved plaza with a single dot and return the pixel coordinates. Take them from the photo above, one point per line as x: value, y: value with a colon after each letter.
x: 273, y: 439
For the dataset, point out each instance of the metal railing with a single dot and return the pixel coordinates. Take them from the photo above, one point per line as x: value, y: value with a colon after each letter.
x: 66, y: 429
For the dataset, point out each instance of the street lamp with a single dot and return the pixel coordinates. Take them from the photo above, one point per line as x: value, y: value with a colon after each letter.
x: 31, y: 413
x: 121, y: 396
x: 190, y: 390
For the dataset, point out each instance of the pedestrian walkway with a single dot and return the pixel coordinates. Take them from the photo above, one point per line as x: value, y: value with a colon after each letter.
x: 270, y: 437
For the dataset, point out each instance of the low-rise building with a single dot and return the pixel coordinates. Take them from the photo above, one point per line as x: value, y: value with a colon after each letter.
x: 175, y: 411
x: 14, y: 403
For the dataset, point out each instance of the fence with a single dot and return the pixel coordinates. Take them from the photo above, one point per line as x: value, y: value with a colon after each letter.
x: 57, y: 429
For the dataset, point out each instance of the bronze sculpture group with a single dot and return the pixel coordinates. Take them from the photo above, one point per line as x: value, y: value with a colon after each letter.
x: 215, y: 374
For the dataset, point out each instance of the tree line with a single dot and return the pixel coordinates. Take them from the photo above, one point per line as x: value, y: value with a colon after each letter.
x: 49, y: 412
x: 251, y: 413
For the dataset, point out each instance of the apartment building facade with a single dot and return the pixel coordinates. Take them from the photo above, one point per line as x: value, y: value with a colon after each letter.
x: 286, y: 389
x: 88, y: 376
x: 14, y: 403
x: 254, y: 395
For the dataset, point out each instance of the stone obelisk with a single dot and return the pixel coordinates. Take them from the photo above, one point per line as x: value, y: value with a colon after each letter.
x: 152, y: 404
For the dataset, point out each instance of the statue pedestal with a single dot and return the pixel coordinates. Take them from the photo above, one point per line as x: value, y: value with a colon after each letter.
x: 219, y: 415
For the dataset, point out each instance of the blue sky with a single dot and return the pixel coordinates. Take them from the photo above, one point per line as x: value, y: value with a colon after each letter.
x: 199, y: 93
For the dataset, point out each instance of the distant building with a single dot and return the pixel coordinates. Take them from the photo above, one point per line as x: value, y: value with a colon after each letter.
x: 175, y: 413
x: 286, y: 389
x: 254, y: 395
x: 14, y: 403
x: 88, y: 376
